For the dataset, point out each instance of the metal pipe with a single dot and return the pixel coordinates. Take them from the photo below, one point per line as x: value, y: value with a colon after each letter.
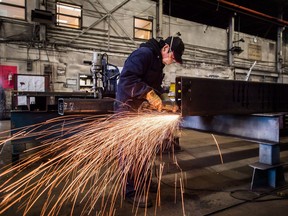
x: 159, y: 19
x: 230, y: 40
x: 160, y: 31
x: 257, y: 13
x: 37, y: 4
x: 169, y: 17
x: 279, y: 57
x: 109, y: 32
x: 250, y: 70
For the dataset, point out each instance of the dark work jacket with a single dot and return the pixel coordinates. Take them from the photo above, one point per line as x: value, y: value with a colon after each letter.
x: 142, y: 72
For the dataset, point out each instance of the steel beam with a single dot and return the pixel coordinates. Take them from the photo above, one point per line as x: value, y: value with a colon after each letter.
x: 229, y: 107
x: 201, y: 96
x: 255, y: 128
x: 76, y: 105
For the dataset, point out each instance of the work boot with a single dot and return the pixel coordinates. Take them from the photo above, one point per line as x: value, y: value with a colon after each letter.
x: 139, y: 201
x: 173, y: 147
x: 176, y: 145
x: 153, y: 187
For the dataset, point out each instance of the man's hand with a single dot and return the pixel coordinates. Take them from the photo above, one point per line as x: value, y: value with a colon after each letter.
x: 154, y: 100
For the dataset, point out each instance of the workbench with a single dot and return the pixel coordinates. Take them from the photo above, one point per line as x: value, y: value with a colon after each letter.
x: 75, y: 106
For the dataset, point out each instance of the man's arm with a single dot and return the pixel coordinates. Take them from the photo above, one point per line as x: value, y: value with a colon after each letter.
x: 131, y: 78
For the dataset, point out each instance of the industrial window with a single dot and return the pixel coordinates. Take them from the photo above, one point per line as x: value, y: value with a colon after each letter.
x: 68, y: 15
x: 143, y: 28
x: 15, y: 9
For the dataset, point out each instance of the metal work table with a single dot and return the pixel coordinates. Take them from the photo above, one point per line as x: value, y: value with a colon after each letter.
x: 76, y: 107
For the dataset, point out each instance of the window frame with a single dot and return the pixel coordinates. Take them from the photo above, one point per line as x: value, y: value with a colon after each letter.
x: 143, y: 29
x: 58, y: 24
x: 16, y: 6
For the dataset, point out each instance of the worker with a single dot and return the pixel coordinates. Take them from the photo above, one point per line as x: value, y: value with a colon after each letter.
x: 140, y: 81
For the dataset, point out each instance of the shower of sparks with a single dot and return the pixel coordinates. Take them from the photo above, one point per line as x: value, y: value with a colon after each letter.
x: 218, y: 147
x: 88, y: 158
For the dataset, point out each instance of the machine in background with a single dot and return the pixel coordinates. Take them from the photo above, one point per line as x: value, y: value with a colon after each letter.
x: 79, y: 104
x: 104, y: 75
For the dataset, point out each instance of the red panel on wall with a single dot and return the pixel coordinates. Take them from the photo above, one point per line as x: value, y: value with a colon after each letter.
x: 7, y: 76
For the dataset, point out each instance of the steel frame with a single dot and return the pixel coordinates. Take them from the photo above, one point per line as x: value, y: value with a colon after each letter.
x: 229, y: 107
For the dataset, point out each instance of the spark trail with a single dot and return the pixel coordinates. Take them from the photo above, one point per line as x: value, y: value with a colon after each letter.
x: 88, y: 158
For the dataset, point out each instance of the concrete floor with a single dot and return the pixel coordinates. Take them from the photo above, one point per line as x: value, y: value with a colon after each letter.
x: 211, y: 188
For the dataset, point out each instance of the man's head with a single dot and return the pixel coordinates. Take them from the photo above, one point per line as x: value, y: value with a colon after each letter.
x: 172, y: 50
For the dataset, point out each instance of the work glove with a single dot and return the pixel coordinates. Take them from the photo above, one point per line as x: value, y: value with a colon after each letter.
x: 154, y: 100
x: 168, y: 104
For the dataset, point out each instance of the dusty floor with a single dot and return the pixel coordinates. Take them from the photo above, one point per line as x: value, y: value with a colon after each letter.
x: 211, y: 188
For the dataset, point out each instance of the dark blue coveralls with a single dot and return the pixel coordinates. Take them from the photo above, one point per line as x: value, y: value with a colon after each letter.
x: 142, y: 72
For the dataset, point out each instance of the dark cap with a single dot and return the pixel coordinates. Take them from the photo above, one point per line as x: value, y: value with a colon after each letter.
x: 177, y: 46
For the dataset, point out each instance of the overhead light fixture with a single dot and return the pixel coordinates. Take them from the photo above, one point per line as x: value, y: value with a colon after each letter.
x: 236, y: 50
x: 240, y: 40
